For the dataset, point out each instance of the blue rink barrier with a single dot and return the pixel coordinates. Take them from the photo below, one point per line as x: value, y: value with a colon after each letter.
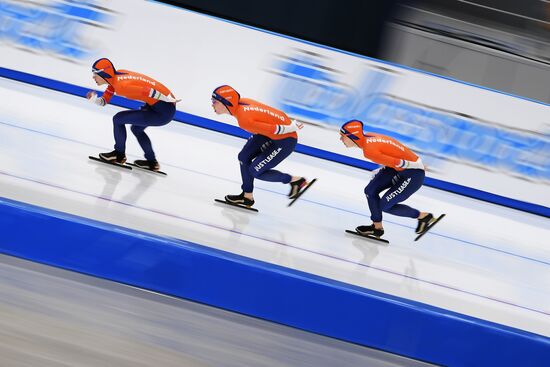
x: 300, y: 148
x: 286, y: 296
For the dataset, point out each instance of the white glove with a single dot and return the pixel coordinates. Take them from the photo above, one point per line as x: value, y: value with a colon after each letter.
x: 410, y: 164
x: 93, y: 98
x: 285, y: 129
x: 153, y: 93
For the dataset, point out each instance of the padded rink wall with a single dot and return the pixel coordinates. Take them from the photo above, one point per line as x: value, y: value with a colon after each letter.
x: 202, y: 274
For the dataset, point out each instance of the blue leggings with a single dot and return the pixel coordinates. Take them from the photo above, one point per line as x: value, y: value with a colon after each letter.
x: 158, y: 114
x: 259, y: 155
x: 401, y: 185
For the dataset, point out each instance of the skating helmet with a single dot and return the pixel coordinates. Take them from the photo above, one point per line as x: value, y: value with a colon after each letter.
x: 227, y: 96
x: 353, y: 129
x: 104, y: 68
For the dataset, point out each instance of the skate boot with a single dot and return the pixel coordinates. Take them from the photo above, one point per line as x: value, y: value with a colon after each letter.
x: 239, y: 199
x: 150, y: 165
x: 424, y: 223
x: 113, y: 157
x: 370, y: 230
x: 296, y: 187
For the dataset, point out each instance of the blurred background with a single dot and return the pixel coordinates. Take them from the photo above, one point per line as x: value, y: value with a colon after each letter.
x: 499, y: 44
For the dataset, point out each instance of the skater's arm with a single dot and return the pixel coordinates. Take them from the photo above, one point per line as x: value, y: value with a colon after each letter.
x: 93, y: 98
x: 257, y: 126
x: 155, y: 94
x: 143, y: 92
x: 411, y: 164
x: 108, y: 94
x: 389, y: 161
x: 375, y: 155
x: 287, y: 129
x: 104, y: 99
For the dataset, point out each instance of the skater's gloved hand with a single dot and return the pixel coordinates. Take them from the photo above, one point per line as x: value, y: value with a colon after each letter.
x: 153, y: 93
x: 410, y: 164
x: 285, y: 129
x: 93, y: 98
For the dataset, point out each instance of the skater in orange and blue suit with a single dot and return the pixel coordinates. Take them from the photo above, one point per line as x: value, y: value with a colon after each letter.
x: 274, y: 137
x: 158, y: 109
x: 402, y: 175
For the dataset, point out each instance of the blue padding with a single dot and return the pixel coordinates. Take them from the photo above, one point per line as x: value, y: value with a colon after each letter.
x: 263, y: 290
x: 304, y: 149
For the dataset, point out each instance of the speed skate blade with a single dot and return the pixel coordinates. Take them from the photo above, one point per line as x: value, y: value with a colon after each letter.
x: 302, y: 192
x: 236, y: 205
x: 429, y: 227
x: 109, y: 163
x: 147, y: 169
x: 367, y: 236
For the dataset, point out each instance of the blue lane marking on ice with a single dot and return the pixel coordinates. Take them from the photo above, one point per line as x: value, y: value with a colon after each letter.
x: 282, y: 194
x: 316, y: 152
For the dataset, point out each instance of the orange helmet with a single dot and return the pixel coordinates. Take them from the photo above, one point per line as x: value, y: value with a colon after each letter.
x: 104, y: 68
x: 353, y: 129
x: 227, y: 96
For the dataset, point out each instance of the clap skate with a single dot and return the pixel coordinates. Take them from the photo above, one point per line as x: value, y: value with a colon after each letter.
x: 369, y: 232
x: 425, y: 224
x: 298, y: 188
x: 147, y: 165
x: 239, y: 201
x: 113, y: 158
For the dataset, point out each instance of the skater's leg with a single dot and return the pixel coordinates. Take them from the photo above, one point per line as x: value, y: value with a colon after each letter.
x: 408, y: 183
x: 251, y: 150
x: 262, y: 167
x: 381, y: 181
x: 119, y: 130
x: 159, y: 114
x: 144, y: 141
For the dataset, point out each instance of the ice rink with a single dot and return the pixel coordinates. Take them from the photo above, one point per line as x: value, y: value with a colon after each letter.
x: 482, y: 260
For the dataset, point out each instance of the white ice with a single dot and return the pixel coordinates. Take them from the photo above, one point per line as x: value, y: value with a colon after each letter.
x: 482, y: 260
